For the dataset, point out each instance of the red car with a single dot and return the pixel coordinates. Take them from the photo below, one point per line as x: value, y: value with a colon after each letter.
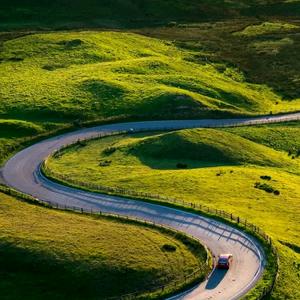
x: 224, y: 261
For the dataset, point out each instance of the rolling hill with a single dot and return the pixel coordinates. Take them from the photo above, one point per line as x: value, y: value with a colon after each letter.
x: 235, y: 169
x: 62, y: 77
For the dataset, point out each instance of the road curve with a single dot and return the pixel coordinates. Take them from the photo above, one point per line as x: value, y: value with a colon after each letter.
x: 22, y: 172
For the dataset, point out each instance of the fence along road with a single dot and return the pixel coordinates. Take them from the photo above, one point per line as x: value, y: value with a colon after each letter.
x: 22, y: 172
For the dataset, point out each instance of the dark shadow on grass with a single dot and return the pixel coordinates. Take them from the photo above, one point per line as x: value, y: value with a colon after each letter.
x: 166, y: 164
x: 174, y: 150
x: 39, y: 274
x: 294, y: 247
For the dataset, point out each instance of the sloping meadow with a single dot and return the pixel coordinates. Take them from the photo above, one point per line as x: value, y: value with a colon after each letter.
x: 88, y: 75
x: 249, y: 171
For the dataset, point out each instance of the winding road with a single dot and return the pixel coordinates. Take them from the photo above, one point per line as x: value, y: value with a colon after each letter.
x: 22, y: 172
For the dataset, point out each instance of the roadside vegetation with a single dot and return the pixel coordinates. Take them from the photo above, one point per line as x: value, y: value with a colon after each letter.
x: 232, y: 169
x: 46, y: 254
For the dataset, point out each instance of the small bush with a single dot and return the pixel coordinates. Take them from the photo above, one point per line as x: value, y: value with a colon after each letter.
x: 266, y: 177
x: 109, y: 150
x: 168, y: 248
x: 267, y: 188
x: 105, y: 163
x: 181, y: 166
x: 81, y: 143
x: 71, y: 43
x: 53, y: 67
x: 74, y: 43
x: 220, y: 173
x: 16, y: 59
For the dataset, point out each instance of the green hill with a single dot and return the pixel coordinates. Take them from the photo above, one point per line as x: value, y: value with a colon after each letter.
x: 48, y: 80
x: 207, y: 146
x: 218, y: 168
x: 277, y: 136
x: 64, y: 77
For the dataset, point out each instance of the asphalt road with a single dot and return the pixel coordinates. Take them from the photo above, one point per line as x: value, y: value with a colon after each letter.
x: 22, y: 173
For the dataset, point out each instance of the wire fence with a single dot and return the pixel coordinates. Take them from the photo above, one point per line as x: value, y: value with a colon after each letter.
x: 177, y: 284
x: 153, y: 197
x: 210, y: 123
x: 155, y: 288
x: 46, y: 170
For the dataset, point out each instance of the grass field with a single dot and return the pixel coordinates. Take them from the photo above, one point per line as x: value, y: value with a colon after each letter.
x: 231, y: 169
x: 86, y: 75
x: 47, y: 254
x: 190, y: 70
x: 264, y: 52
x: 48, y: 80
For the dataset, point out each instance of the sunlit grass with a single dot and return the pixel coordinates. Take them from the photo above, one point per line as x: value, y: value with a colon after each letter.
x: 54, y: 255
x: 225, y: 180
x: 88, y: 75
x: 267, y: 28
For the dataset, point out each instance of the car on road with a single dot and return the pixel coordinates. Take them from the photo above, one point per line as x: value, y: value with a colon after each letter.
x: 224, y: 261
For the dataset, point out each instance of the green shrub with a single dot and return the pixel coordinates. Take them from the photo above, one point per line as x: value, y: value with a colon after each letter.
x: 105, y: 163
x: 81, y: 143
x: 267, y: 188
x: 109, y: 150
x: 266, y: 177
x: 168, y: 248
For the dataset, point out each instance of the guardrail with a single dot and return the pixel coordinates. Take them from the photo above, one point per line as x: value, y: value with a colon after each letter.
x: 158, y: 291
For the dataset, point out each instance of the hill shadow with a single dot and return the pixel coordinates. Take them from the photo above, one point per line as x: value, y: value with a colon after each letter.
x: 37, y: 272
x: 179, y: 164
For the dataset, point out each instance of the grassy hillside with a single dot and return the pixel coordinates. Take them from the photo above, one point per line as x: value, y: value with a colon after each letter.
x: 77, y: 76
x: 283, y: 137
x: 201, y: 70
x: 15, y: 134
x: 63, y: 13
x: 48, y: 254
x: 264, y: 50
x: 240, y: 175
x: 204, y: 146
x: 88, y: 75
